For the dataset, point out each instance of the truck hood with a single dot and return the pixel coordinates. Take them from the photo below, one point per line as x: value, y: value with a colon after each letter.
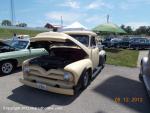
x: 59, y: 37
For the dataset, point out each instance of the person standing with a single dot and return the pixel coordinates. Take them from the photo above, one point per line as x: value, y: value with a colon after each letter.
x: 15, y: 36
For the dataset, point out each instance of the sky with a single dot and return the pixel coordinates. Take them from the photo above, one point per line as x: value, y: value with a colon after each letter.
x: 90, y: 13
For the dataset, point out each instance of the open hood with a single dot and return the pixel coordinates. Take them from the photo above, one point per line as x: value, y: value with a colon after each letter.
x: 2, y: 43
x: 58, y: 37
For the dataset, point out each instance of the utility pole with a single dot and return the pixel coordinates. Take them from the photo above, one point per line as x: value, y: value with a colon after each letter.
x: 12, y: 11
x: 107, y: 18
x: 61, y: 21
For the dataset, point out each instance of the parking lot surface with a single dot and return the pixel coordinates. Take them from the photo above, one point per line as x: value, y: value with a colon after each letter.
x: 115, y: 90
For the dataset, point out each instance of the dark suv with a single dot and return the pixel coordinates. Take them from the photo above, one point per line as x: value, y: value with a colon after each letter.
x: 115, y: 42
x: 140, y: 43
x: 107, y: 42
x: 125, y: 42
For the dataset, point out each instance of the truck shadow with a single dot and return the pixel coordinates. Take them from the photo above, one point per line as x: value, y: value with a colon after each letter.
x: 38, y: 98
x: 120, y: 87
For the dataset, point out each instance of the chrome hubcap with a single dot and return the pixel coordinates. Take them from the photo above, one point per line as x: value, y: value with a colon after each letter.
x: 86, y: 78
x: 7, y: 68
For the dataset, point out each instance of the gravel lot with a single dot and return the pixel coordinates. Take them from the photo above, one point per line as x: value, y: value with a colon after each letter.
x: 99, y: 97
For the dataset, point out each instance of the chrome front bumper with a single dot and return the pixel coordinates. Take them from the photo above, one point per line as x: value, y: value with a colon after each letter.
x: 49, y: 88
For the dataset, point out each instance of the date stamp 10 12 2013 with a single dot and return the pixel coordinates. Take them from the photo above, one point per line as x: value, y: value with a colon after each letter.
x: 129, y: 99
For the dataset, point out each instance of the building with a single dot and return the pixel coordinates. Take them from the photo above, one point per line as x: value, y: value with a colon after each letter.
x: 53, y: 27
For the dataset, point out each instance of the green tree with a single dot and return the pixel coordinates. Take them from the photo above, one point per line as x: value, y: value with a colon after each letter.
x: 6, y: 23
x: 122, y: 27
x: 148, y: 30
x: 141, y: 30
x: 22, y: 25
x: 129, y: 30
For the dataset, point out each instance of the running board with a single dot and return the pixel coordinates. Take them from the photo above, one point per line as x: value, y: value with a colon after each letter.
x: 96, y: 70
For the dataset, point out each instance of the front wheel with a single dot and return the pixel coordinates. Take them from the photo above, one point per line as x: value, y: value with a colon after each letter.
x: 85, y: 80
x: 141, y: 73
x: 6, y: 67
x: 117, y: 46
x: 137, y: 48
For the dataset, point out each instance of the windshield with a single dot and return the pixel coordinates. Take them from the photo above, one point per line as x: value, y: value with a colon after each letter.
x: 19, y: 44
x: 84, y: 39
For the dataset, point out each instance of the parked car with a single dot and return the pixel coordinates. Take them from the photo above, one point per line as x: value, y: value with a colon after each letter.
x: 107, y: 42
x: 125, y: 42
x: 145, y: 72
x: 73, y: 61
x: 14, y: 51
x: 140, y: 43
x: 115, y: 42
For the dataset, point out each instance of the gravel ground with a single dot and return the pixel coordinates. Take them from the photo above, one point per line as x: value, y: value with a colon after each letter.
x: 113, y: 83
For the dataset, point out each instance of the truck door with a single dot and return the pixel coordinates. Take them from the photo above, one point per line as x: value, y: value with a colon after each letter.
x: 94, y: 52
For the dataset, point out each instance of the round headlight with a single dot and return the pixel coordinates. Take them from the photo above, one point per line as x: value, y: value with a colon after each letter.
x: 67, y: 76
x: 26, y: 69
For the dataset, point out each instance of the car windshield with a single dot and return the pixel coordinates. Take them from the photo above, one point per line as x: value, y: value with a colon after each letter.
x: 84, y: 39
x: 18, y: 44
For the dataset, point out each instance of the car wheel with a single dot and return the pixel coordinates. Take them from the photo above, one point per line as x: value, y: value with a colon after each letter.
x: 118, y: 46
x: 137, y: 48
x: 85, y: 80
x: 129, y: 46
x: 102, y: 61
x: 6, y: 67
x: 141, y: 73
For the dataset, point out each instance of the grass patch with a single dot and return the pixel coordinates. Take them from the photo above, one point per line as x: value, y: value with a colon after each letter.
x: 8, y: 33
x: 122, y: 57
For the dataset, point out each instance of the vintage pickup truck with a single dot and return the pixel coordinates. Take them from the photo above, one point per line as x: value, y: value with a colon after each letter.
x: 73, y: 61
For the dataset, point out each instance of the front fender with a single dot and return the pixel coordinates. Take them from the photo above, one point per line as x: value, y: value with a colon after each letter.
x: 102, y: 53
x: 145, y: 63
x: 78, y: 67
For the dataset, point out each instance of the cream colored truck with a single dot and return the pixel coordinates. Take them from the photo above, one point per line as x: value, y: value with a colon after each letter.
x: 73, y: 60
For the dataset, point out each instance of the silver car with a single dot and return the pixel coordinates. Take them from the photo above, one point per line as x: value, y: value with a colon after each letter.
x: 145, y: 72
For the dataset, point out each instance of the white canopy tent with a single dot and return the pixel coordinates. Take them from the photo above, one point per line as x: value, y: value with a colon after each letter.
x: 74, y: 26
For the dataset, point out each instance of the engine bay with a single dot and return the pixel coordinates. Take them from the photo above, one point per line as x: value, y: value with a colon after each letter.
x: 59, y: 57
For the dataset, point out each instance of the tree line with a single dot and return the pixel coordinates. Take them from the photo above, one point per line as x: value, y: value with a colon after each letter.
x: 142, y: 30
x: 9, y: 23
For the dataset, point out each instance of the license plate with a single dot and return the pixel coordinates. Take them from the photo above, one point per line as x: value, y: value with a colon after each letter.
x: 41, y: 86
